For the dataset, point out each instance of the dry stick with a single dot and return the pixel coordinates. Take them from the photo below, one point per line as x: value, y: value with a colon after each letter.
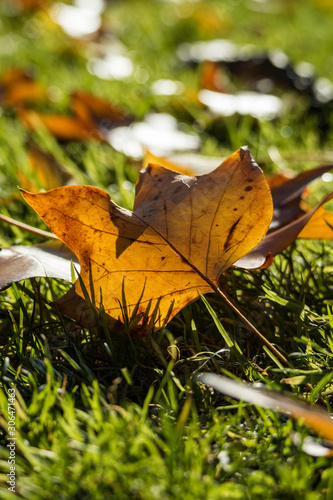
x: 252, y: 327
x: 26, y: 227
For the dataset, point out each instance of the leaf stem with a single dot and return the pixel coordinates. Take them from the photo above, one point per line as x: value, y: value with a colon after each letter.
x: 252, y: 327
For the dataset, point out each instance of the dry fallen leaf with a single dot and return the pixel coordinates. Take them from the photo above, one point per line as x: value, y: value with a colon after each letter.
x: 288, y: 194
x: 315, y: 418
x: 248, y: 70
x: 51, y: 260
x: 92, y: 119
x: 17, y: 87
x: 212, y: 78
x: 290, y: 221
x: 320, y: 226
x: 64, y: 128
x: 146, y: 265
x: 43, y: 171
x: 105, y: 115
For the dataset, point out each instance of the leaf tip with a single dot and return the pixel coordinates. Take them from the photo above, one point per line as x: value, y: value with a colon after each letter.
x: 244, y: 151
x: 27, y: 195
x: 245, y: 155
x: 24, y: 192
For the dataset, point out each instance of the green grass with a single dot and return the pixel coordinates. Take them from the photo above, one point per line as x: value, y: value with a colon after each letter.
x: 109, y: 417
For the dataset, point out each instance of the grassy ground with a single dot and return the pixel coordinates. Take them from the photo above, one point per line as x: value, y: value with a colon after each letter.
x: 114, y: 418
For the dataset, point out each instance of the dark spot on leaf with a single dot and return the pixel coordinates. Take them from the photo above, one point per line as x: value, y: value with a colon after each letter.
x: 149, y: 169
x: 235, y: 209
x: 156, y: 197
x: 249, y: 180
x: 162, y: 258
x: 229, y: 238
x: 216, y: 225
x: 248, y: 188
x: 242, y: 197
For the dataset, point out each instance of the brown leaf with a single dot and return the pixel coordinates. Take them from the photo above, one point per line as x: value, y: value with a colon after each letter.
x: 17, y: 87
x: 287, y: 196
x: 51, y: 259
x: 12, y: 76
x: 64, y: 128
x: 212, y: 78
x: 277, y: 241
x: 43, y: 172
x: 93, y: 118
x: 104, y: 114
x: 228, y: 220
x: 289, y: 220
x: 146, y: 265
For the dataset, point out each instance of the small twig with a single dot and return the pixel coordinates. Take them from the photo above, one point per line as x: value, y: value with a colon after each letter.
x: 252, y: 327
x: 26, y: 227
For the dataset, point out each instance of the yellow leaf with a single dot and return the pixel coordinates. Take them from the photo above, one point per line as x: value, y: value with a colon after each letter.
x: 211, y: 219
x: 146, y: 265
x: 43, y: 171
x: 318, y: 226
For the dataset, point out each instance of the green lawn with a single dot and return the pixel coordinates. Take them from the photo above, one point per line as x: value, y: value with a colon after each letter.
x: 103, y: 416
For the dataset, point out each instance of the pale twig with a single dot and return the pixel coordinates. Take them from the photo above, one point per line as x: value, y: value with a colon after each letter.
x: 26, y: 227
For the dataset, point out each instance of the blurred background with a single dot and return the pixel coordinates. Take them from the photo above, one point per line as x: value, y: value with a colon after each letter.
x: 90, y: 89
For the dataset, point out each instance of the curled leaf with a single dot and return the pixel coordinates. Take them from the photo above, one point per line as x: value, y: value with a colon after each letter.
x: 320, y: 226
x: 51, y: 260
x: 287, y: 196
x: 44, y: 171
x: 289, y: 220
x: 277, y: 241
